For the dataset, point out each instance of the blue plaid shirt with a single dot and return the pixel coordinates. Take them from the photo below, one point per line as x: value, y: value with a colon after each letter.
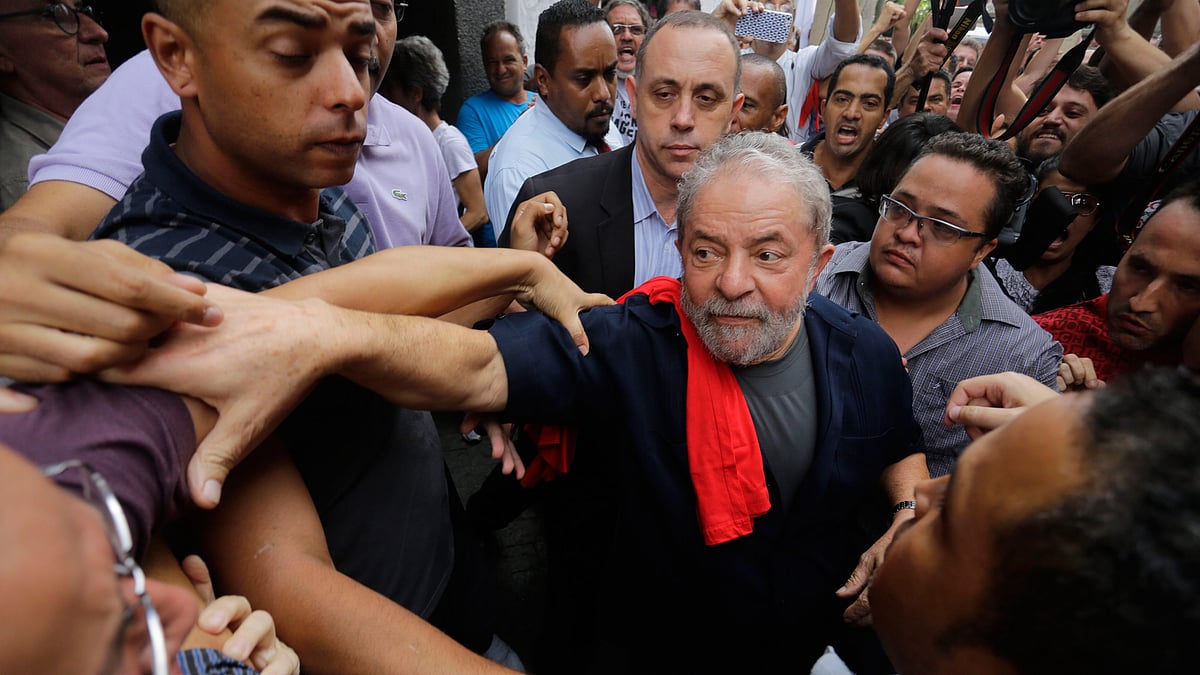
x: 988, y: 334
x: 170, y: 214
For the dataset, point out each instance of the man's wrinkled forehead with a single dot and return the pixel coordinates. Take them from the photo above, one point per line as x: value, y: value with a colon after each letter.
x: 316, y: 14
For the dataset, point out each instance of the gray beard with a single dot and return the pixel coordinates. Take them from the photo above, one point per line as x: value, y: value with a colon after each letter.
x: 741, y: 345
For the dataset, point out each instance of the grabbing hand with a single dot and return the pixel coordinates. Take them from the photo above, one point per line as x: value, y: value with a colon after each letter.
x: 550, y: 291
x: 78, y: 307
x: 253, y: 369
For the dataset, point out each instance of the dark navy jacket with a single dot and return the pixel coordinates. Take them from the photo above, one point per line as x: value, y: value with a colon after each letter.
x: 763, y: 601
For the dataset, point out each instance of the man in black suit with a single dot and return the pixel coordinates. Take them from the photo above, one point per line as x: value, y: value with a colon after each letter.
x: 621, y: 204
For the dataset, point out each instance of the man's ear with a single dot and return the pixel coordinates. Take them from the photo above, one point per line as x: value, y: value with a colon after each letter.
x: 173, y: 52
x: 821, y: 262
x: 737, y: 105
x: 779, y: 117
x: 982, y: 252
x: 631, y: 94
x: 542, y: 77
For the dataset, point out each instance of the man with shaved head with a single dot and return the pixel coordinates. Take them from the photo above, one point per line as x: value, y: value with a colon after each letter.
x: 273, y: 97
x: 764, y: 87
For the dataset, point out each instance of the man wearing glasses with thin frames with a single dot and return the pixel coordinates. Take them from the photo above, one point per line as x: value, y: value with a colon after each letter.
x: 51, y: 58
x: 77, y: 601
x: 920, y: 278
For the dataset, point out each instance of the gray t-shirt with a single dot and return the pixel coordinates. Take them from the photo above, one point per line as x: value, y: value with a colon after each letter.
x: 783, y: 404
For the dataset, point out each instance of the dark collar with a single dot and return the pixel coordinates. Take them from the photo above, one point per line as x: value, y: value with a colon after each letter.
x: 171, y: 176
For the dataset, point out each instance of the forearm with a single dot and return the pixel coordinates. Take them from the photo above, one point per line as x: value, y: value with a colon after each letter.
x: 265, y: 542
x: 1129, y: 57
x: 1180, y: 27
x: 990, y: 62
x: 417, y: 362
x: 1099, y: 151
x: 340, y: 626
x: 420, y: 280
x: 846, y: 22
x: 66, y: 209
x: 470, y: 192
x: 1039, y: 65
x: 481, y: 158
x: 899, y: 481
x: 902, y: 34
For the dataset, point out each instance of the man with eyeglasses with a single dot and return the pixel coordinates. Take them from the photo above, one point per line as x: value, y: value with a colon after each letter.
x: 629, y: 21
x: 1155, y: 296
x: 78, y: 603
x: 920, y: 278
x: 754, y: 438
x: 400, y: 561
x: 51, y: 58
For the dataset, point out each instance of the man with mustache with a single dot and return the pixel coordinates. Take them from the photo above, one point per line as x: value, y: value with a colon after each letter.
x: 237, y: 198
x: 51, y: 58
x: 622, y: 205
x: 920, y: 278
x: 575, y: 69
x: 756, y: 428
x: 1155, y: 297
x: 1086, y: 92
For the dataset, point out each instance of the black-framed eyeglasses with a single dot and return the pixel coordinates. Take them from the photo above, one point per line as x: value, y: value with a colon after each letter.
x: 65, y: 16
x: 401, y: 8
x: 97, y: 493
x: 1084, y: 202
x: 930, y: 229
x: 633, y: 28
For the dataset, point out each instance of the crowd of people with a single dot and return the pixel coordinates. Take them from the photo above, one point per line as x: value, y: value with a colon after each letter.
x: 818, y: 357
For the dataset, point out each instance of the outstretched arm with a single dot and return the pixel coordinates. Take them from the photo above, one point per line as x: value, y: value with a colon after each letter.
x: 268, y: 353
x: 1100, y: 150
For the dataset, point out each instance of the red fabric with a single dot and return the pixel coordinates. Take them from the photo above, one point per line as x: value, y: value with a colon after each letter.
x: 1082, y: 329
x: 812, y: 106
x: 723, y: 452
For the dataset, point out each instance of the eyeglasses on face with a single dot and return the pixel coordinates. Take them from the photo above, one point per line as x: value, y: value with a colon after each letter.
x: 97, y: 494
x: 633, y: 28
x: 930, y: 229
x: 389, y: 11
x: 65, y: 16
x: 1085, y: 203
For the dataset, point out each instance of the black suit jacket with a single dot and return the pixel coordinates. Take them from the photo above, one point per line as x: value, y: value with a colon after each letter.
x: 597, y: 192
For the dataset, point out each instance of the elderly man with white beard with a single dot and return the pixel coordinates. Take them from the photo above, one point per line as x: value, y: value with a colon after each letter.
x: 763, y: 435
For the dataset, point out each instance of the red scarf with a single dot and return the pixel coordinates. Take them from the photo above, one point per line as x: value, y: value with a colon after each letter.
x: 723, y: 453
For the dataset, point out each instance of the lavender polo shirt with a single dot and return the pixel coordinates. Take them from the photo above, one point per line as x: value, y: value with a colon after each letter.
x: 401, y: 183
